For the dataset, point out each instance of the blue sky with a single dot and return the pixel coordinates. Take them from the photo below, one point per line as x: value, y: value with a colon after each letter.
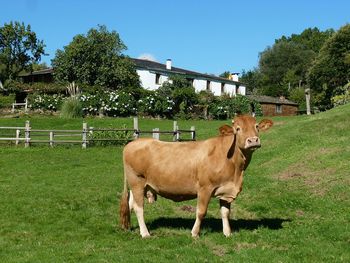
x: 204, y: 36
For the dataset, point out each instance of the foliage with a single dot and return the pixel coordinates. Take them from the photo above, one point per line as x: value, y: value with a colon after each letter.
x: 298, y: 95
x: 39, y: 101
x: 19, y: 49
x: 282, y: 59
x: 37, y: 87
x: 225, y: 107
x: 284, y: 66
x: 182, y: 93
x: 6, y: 100
x: 344, y: 96
x: 310, y: 39
x: 155, y: 105
x: 110, y: 137
x: 253, y: 80
x: 225, y: 75
x: 96, y: 60
x: 112, y: 103
x: 71, y: 108
x: 331, y: 68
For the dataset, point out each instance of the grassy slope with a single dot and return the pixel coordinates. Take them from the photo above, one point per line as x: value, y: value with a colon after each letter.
x: 62, y: 204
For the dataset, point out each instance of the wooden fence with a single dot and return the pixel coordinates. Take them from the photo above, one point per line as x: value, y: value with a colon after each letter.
x: 27, y: 134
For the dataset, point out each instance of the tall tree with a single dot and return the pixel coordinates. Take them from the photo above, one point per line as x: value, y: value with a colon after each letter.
x: 96, y: 59
x: 311, y: 38
x: 19, y: 49
x: 253, y: 80
x: 331, y: 69
x: 282, y: 63
x: 287, y: 62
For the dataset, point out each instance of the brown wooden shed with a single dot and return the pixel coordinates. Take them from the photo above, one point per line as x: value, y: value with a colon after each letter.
x: 272, y: 106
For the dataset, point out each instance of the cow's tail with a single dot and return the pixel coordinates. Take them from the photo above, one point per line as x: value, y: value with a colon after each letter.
x: 124, y: 210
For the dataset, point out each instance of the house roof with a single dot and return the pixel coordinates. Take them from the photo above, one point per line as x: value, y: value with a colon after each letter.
x: 37, y: 72
x: 272, y: 100
x: 153, y: 66
x: 161, y: 68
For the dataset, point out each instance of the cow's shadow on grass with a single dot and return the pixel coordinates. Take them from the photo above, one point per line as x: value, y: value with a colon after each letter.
x: 215, y: 224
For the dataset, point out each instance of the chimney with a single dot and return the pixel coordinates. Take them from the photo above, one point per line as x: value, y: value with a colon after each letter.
x: 168, y: 64
x: 234, y: 76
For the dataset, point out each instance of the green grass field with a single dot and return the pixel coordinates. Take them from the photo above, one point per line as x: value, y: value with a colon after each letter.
x: 61, y: 204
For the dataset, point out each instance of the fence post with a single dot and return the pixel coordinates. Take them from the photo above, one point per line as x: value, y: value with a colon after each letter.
x: 27, y: 134
x: 136, y: 128
x: 175, y: 128
x: 26, y: 106
x: 18, y: 134
x: 51, y: 138
x: 155, y: 133
x: 193, y: 133
x: 84, y: 134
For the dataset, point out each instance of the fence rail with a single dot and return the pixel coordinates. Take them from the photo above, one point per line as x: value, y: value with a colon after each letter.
x: 28, y: 135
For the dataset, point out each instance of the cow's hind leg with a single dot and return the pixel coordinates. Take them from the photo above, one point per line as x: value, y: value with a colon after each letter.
x: 202, y: 206
x: 137, y: 188
x: 225, y: 214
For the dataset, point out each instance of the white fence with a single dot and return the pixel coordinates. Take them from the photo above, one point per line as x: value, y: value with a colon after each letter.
x: 27, y: 134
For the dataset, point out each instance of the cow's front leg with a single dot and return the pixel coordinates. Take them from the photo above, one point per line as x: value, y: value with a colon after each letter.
x: 225, y: 214
x: 202, y: 206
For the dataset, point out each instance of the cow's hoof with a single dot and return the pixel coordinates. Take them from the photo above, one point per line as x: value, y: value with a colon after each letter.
x: 229, y: 234
x: 146, y: 235
x: 195, y: 235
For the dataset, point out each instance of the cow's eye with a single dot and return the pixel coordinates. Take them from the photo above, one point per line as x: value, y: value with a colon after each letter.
x: 257, y: 126
x: 238, y: 128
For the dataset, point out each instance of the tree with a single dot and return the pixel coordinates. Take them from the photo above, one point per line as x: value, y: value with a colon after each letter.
x: 331, y: 69
x: 225, y: 75
x: 181, y: 91
x: 283, y: 62
x: 286, y: 63
x: 96, y: 59
x: 253, y: 79
x: 311, y: 38
x: 19, y: 49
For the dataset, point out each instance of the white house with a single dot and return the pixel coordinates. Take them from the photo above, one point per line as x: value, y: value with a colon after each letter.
x: 153, y: 75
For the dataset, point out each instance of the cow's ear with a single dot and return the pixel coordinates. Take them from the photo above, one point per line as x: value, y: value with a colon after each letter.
x: 265, y: 124
x: 226, y: 130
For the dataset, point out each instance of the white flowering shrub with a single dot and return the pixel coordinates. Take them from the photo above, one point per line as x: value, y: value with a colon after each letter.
x: 155, y: 105
x: 111, y: 103
x: 45, y: 101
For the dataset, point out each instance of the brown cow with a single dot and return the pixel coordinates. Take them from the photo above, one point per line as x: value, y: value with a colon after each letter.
x: 188, y: 170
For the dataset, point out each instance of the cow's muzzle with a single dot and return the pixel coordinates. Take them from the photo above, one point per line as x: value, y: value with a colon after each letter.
x: 252, y: 143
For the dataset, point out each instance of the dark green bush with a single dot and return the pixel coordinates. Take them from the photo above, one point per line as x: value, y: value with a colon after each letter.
x: 107, y: 138
x: 37, y: 87
x: 6, y: 101
x: 224, y: 107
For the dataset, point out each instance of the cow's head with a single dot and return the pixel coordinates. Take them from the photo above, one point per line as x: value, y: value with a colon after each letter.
x: 246, y: 131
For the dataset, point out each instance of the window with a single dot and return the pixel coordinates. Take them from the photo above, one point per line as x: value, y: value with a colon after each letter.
x: 190, y: 80
x: 278, y: 108
x: 157, y: 78
x: 237, y: 89
x: 223, y: 88
x: 208, y: 85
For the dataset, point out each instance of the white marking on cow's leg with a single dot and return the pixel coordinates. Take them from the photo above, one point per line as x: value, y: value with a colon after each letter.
x: 140, y: 219
x: 202, y: 206
x: 225, y: 214
x: 131, y: 201
x: 138, y: 197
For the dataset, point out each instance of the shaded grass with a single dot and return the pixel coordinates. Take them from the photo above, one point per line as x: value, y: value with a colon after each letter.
x: 61, y: 204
